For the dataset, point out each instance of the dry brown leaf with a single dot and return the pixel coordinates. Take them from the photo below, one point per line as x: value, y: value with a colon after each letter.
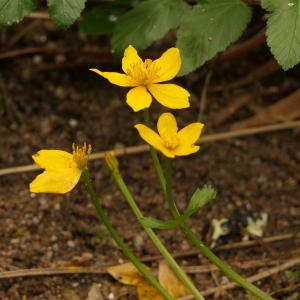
x: 286, y: 109
x: 129, y: 275
x: 125, y: 273
x: 145, y: 291
x: 170, y: 281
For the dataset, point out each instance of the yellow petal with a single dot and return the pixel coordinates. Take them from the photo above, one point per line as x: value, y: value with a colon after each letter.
x: 56, y: 182
x: 152, y: 138
x: 168, y: 65
x: 190, y: 134
x: 114, y: 78
x: 130, y: 59
x: 170, y: 281
x: 53, y: 159
x: 126, y: 273
x: 183, y: 150
x: 166, y: 123
x: 138, y: 98
x: 170, y: 95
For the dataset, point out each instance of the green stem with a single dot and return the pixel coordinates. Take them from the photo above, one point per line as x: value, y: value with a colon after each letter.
x: 158, y: 169
x: 165, y: 253
x: 118, y: 239
x: 224, y: 267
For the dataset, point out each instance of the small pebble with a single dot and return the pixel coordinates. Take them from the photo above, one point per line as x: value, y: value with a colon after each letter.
x: 111, y: 296
x: 70, y: 244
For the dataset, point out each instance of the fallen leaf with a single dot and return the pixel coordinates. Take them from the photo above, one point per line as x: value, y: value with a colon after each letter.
x: 145, y: 291
x: 170, y: 281
x: 125, y: 273
x: 129, y: 275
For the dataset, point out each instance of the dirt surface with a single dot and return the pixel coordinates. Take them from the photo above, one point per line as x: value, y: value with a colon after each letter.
x: 50, y: 104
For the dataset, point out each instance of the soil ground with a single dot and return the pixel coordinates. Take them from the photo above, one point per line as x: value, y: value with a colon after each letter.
x: 52, y: 107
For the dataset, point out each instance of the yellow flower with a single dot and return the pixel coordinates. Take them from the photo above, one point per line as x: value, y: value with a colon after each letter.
x: 144, y: 76
x: 62, y: 169
x: 170, y: 141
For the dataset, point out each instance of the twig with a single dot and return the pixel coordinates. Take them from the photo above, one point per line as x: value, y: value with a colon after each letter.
x: 54, y: 271
x: 286, y: 290
x: 203, y: 99
x: 143, y: 148
x: 231, y: 246
x: 39, y: 15
x: 262, y: 275
x: 52, y: 48
x: 241, y: 100
x: 260, y: 72
x: 14, y: 39
x: 250, y: 264
x: 51, y: 272
x: 242, y: 48
x: 83, y: 270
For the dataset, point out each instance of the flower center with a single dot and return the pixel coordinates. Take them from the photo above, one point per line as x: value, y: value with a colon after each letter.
x: 170, y: 139
x: 143, y: 73
x: 81, y: 155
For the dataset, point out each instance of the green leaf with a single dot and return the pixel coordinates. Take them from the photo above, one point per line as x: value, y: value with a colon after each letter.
x: 65, y: 12
x: 209, y: 28
x: 268, y: 4
x: 15, y: 10
x: 159, y: 224
x: 199, y: 199
x: 283, y: 31
x: 101, y: 19
x: 146, y: 22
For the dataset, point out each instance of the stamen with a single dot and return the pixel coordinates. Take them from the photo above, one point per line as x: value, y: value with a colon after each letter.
x: 81, y: 155
x: 170, y: 139
x: 143, y: 73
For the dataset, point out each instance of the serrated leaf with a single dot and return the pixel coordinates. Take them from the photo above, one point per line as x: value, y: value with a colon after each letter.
x: 148, y: 21
x: 65, y: 12
x: 160, y: 224
x: 15, y: 10
x: 209, y: 28
x: 199, y: 199
x: 283, y: 31
x: 101, y: 19
x: 268, y: 4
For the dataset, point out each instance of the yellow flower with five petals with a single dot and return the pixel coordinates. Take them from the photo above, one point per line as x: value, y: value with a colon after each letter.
x: 145, y: 76
x: 169, y: 140
x: 62, y: 169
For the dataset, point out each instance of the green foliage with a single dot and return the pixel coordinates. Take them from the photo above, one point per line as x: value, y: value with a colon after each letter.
x: 146, y: 22
x: 283, y: 31
x: 199, y: 199
x: 204, y: 29
x: 65, y: 12
x: 160, y: 224
x: 209, y: 28
x: 102, y: 18
x: 15, y: 10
